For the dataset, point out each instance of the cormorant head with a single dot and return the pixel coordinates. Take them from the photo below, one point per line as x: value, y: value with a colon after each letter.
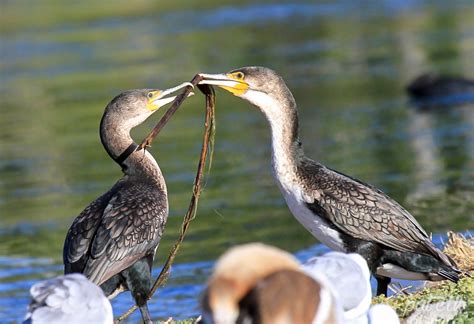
x: 132, y: 107
x: 260, y: 86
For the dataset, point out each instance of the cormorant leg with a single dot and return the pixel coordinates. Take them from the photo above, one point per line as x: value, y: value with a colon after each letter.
x: 138, y: 278
x: 111, y: 285
x: 373, y: 254
x: 145, y: 314
x: 382, y: 285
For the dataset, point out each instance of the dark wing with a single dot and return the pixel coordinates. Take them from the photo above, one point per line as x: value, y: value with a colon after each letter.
x: 365, y: 212
x: 131, y: 228
x: 116, y: 230
x: 81, y: 232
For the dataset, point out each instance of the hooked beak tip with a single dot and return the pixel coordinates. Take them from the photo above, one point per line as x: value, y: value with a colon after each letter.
x: 174, y: 89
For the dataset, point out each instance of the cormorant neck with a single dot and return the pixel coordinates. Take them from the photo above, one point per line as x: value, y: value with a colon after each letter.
x: 282, y: 116
x: 115, y: 137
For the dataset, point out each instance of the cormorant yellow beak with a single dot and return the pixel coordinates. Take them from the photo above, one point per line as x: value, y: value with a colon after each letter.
x: 156, y: 98
x: 232, y: 82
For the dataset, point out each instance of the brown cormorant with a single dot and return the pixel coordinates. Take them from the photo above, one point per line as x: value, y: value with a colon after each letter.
x: 342, y: 212
x: 114, y: 240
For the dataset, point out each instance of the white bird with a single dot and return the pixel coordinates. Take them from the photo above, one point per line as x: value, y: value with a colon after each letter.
x: 381, y: 313
x: 348, y: 277
x: 68, y: 299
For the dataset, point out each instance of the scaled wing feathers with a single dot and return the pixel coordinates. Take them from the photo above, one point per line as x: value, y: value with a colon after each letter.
x: 365, y: 212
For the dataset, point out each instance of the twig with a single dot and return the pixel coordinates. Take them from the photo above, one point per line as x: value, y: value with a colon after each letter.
x: 207, y: 145
x: 169, y: 113
x: 397, y: 289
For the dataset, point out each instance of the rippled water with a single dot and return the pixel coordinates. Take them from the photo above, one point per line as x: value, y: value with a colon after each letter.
x: 346, y: 62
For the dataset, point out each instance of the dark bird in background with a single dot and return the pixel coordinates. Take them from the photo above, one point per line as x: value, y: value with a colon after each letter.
x: 434, y: 85
x: 431, y: 90
x: 68, y: 299
x: 114, y: 240
x: 342, y: 212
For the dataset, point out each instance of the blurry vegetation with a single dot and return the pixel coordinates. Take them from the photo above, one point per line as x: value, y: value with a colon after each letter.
x: 461, y: 250
x: 45, y: 13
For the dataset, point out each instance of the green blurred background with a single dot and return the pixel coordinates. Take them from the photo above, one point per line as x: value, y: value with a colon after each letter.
x: 347, y: 63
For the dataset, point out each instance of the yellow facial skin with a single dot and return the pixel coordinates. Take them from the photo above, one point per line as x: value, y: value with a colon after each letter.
x: 152, y: 102
x: 240, y: 87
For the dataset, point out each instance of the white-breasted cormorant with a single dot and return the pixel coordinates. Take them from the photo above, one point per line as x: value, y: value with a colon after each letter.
x: 114, y: 240
x: 348, y: 276
x: 342, y: 212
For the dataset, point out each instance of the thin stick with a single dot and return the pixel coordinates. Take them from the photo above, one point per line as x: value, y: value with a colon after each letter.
x: 169, y: 113
x: 207, y: 144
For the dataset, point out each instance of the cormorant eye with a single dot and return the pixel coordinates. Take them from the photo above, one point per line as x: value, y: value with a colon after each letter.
x: 239, y: 75
x: 150, y: 95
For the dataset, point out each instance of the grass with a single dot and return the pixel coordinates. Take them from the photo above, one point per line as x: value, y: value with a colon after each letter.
x: 461, y: 250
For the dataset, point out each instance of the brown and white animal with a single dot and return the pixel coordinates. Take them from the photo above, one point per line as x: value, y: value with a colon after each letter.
x: 256, y: 283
